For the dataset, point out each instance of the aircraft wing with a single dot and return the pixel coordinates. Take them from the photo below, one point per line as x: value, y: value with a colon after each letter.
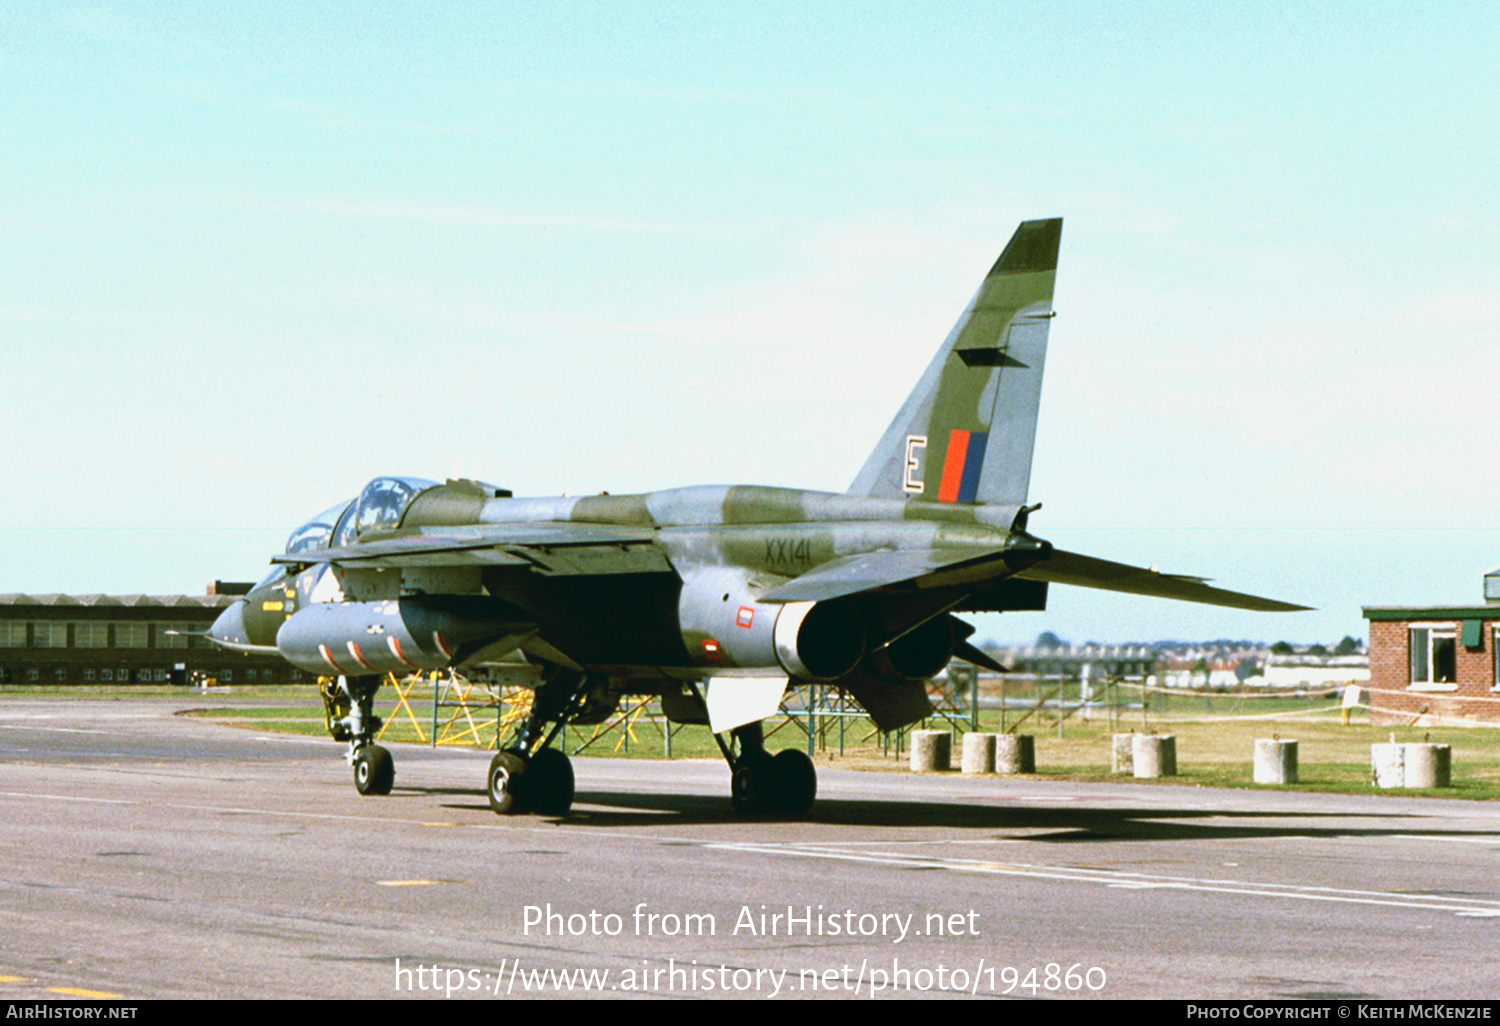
x: 1088, y: 572
x: 552, y: 549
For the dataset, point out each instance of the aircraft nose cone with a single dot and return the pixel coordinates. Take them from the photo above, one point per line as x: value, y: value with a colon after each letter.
x: 229, y: 628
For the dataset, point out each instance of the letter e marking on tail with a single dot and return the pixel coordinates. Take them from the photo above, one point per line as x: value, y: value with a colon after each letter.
x: 913, y: 480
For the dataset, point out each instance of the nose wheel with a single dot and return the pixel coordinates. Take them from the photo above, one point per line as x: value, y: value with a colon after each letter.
x: 374, y: 770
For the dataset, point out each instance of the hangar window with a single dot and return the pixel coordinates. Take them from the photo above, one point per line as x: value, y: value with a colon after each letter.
x: 13, y: 634
x: 130, y: 635
x: 1434, y: 657
x: 91, y: 634
x: 166, y: 639
x: 49, y: 634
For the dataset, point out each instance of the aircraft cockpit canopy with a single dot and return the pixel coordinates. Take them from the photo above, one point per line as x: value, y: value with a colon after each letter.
x: 382, y: 504
x: 384, y: 501
x: 316, y: 533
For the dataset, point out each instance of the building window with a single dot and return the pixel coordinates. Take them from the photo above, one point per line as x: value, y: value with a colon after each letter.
x: 1495, y: 660
x: 13, y: 634
x: 49, y: 634
x: 130, y: 635
x: 1434, y: 657
x: 88, y: 634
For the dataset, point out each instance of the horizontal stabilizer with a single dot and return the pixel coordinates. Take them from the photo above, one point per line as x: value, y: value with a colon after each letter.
x: 1088, y: 572
x: 969, y: 654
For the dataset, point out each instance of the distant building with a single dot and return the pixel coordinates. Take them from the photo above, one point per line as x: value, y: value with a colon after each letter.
x: 124, y: 639
x: 1312, y: 671
x: 1070, y: 660
x: 1436, y: 664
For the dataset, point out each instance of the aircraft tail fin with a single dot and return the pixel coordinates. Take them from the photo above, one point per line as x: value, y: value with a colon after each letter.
x: 965, y: 434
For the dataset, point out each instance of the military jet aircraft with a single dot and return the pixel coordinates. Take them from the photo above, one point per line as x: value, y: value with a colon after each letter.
x: 713, y: 597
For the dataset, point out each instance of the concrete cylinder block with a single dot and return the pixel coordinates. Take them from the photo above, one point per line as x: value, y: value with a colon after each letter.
x: 1428, y: 765
x: 1015, y: 753
x: 1388, y: 765
x: 1122, y: 754
x: 1275, y: 761
x: 979, y: 753
x: 1154, y: 755
x: 931, y: 751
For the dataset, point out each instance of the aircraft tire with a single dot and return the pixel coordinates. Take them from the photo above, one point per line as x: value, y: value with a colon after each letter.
x: 549, y: 783
x: 374, y: 771
x: 796, y: 782
x: 752, y: 786
x: 507, y: 783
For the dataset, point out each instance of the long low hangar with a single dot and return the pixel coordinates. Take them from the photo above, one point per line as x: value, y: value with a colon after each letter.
x: 124, y: 639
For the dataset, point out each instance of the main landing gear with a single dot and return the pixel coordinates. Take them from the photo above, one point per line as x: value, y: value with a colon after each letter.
x: 541, y: 783
x: 526, y: 777
x: 762, y: 784
x: 529, y: 776
x: 532, y: 776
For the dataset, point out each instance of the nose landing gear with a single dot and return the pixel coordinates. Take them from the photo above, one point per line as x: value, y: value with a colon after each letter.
x: 374, y: 770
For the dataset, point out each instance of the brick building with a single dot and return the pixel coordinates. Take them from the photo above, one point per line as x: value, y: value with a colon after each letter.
x: 1436, y: 664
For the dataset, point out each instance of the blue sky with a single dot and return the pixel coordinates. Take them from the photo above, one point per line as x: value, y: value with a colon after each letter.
x: 254, y: 256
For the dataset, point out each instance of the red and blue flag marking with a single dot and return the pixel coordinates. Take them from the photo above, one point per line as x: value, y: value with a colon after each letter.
x: 961, y: 466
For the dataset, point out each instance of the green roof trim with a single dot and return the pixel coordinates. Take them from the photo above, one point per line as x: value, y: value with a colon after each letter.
x: 1386, y: 613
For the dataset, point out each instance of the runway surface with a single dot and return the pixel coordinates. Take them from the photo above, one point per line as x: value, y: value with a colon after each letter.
x: 153, y: 855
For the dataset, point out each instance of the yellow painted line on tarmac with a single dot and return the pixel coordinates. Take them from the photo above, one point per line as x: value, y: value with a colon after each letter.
x: 81, y: 993
x: 13, y: 979
x: 416, y: 883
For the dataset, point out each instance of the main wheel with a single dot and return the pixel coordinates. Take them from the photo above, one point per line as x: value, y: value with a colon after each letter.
x: 752, y: 787
x: 374, y: 770
x: 796, y: 782
x: 507, y: 783
x: 549, y: 783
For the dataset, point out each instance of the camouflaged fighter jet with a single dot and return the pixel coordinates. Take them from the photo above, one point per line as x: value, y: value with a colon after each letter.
x: 715, y: 598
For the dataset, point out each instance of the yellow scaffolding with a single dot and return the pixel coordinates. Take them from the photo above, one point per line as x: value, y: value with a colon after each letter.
x: 475, y: 709
x: 624, y: 721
